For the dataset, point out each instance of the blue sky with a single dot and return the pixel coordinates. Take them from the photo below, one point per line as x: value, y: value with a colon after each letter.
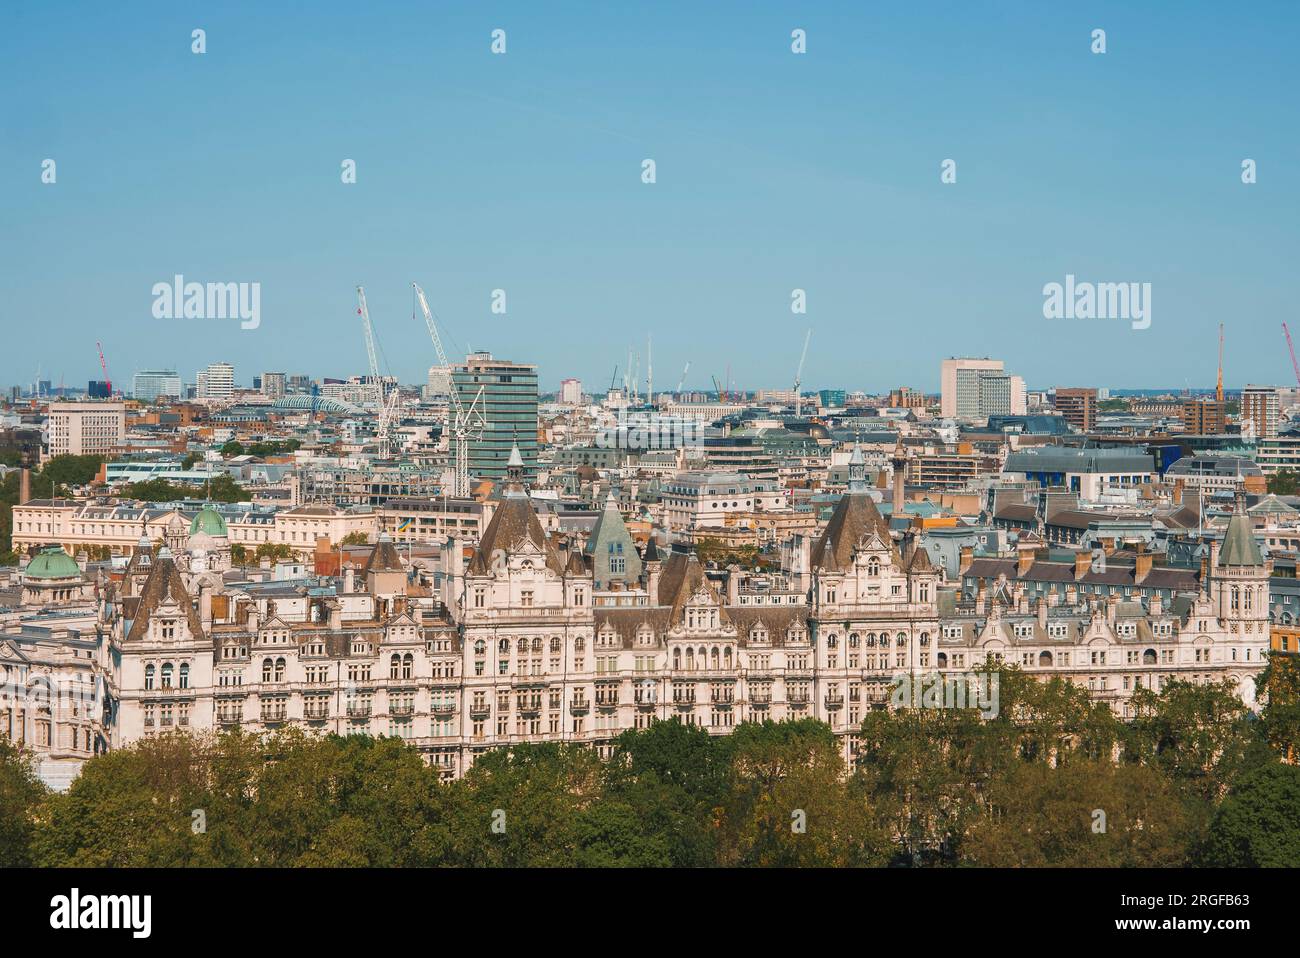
x: 775, y: 171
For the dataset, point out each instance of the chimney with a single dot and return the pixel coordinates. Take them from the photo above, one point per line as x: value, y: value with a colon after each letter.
x: 1112, y: 607
x: 1024, y: 559
x: 24, y: 485
x: 1042, y: 612
x: 981, y: 599
x: 1157, y: 605
x: 349, y: 580
x: 254, y: 618
x: 1142, y: 567
x: 733, y: 585
x: 205, y: 605
x: 967, y: 557
x: 1082, y: 563
x: 336, y: 616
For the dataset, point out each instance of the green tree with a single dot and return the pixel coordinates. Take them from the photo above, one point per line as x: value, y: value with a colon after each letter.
x: 355, y: 539
x: 1258, y: 823
x: 233, y: 448
x: 21, y: 795
x: 1284, y: 482
x: 1086, y: 813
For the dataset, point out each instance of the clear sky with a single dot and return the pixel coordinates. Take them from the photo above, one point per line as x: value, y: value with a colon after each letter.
x: 775, y: 171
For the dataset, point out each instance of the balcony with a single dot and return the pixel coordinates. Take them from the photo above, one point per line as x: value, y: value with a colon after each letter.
x: 579, y: 707
x: 443, y: 708
x: 835, y: 702
x: 798, y: 698
x: 401, y: 708
x: 274, y: 716
x: 314, y: 713
x: 479, y: 708
x: 607, y: 702
x: 358, y: 711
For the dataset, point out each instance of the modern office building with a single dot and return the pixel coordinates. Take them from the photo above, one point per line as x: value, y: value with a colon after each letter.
x: 979, y: 388
x: 216, y: 382
x: 571, y: 391
x: 1204, y: 417
x: 149, y: 384
x: 274, y: 385
x: 86, y: 428
x: 1077, y: 406
x: 509, y: 406
x: 1260, y: 406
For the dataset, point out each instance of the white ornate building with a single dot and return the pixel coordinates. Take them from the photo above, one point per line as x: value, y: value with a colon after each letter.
x: 515, y: 643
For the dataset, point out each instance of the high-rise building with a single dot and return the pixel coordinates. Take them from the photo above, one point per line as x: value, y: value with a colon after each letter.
x: 86, y: 428
x: 299, y: 384
x: 1077, y: 406
x: 1204, y: 417
x: 439, y: 383
x: 149, y: 384
x: 1260, y: 405
x: 216, y: 382
x: 274, y: 384
x: 99, y: 389
x: 964, y: 393
x: 509, y: 406
x: 571, y: 391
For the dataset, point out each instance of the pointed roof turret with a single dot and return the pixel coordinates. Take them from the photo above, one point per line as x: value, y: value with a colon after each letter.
x: 1239, y: 545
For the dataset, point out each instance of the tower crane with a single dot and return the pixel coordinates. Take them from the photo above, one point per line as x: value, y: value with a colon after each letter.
x: 385, y: 404
x: 682, y: 382
x: 798, y: 377
x: 466, y: 424
x: 103, y: 364
x: 1291, y: 348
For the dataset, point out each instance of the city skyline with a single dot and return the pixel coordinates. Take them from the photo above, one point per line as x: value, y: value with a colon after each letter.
x: 776, y: 172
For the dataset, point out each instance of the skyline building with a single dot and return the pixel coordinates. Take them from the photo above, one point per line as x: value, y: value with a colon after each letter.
x: 149, y: 384
x: 509, y: 408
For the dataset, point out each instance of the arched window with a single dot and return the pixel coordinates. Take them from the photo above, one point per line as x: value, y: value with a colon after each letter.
x: 393, y: 665
x: 148, y: 676
x: 1149, y: 657
x: 690, y: 658
x: 854, y: 641
x: 726, y: 656
x: 555, y: 643
x: 832, y: 641
x: 408, y: 664
x: 713, y: 658
x: 925, y: 639
x: 1045, y: 658
x: 185, y: 675
x: 267, y: 665
x: 941, y: 660
x: 900, y: 640
x: 873, y: 566
x: 871, y: 640
x: 479, y: 647
x: 504, y: 646
x: 884, y: 640
x: 167, y: 675
x: 279, y: 670
x: 537, y: 645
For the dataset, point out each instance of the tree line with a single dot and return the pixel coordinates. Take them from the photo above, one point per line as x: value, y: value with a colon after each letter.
x: 1053, y: 779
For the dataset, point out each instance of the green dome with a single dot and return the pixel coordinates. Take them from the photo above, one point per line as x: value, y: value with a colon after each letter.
x: 209, y: 521
x: 53, y: 563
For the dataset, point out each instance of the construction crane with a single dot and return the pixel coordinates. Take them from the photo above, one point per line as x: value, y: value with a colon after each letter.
x: 103, y: 364
x: 1218, y: 390
x: 798, y: 377
x: 1294, y: 365
x: 385, y: 404
x: 466, y: 424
